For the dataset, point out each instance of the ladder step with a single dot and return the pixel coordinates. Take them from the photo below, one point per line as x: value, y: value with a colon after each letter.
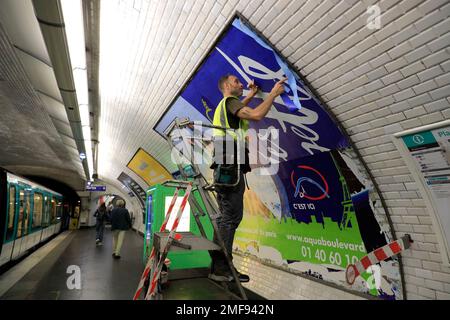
x: 188, y: 239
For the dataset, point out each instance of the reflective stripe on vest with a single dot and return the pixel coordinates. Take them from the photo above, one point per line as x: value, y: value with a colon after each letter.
x: 221, y: 120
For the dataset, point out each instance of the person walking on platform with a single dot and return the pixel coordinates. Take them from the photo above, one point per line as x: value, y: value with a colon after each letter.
x: 101, y: 216
x: 120, y: 223
x: 235, y: 114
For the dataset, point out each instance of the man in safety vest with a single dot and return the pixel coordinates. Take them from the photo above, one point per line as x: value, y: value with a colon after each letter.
x: 235, y: 114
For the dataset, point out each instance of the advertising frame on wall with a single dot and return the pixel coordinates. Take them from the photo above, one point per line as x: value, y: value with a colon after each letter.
x: 346, y: 157
x: 148, y: 168
x: 136, y: 189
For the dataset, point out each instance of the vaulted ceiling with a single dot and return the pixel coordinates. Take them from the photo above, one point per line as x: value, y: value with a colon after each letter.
x: 375, y: 81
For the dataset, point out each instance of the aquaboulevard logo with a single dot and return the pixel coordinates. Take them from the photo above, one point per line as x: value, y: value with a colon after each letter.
x: 199, y: 145
x: 312, y: 187
x: 309, y: 184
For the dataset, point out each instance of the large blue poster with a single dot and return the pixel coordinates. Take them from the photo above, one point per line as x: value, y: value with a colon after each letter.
x: 310, y: 213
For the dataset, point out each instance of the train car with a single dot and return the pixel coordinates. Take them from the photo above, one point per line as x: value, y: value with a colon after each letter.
x: 29, y: 215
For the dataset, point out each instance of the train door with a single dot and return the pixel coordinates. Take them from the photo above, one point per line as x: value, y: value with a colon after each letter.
x: 22, y: 224
x: 59, y: 210
x: 3, y: 206
x: 22, y: 214
x: 52, y: 214
x: 46, y: 217
x: 10, y: 224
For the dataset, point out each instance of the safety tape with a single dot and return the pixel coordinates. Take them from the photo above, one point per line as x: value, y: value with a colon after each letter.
x: 148, y: 266
x: 378, y: 255
x: 170, y: 238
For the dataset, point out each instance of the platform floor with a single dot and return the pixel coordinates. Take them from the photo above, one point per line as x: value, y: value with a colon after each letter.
x: 102, y: 277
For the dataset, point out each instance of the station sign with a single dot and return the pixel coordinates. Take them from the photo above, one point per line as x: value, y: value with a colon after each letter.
x: 95, y: 188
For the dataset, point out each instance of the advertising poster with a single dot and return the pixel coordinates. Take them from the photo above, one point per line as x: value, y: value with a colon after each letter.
x: 314, y: 215
x: 146, y: 167
x: 136, y: 189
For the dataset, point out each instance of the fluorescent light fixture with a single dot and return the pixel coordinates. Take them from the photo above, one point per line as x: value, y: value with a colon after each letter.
x: 72, y: 11
x: 86, y: 134
x: 81, y: 85
x: 84, y: 115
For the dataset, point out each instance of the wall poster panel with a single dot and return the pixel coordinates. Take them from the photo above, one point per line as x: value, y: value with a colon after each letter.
x: 147, y: 168
x: 318, y: 212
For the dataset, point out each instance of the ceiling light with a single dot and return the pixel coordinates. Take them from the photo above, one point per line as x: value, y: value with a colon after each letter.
x: 72, y: 11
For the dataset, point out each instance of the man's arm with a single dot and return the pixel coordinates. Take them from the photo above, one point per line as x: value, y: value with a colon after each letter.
x: 253, y: 89
x: 260, y: 111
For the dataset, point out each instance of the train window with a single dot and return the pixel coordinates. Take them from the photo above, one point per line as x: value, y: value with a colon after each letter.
x: 11, y: 213
x: 37, y: 210
x: 53, y: 211
x: 46, y: 215
x: 59, y: 209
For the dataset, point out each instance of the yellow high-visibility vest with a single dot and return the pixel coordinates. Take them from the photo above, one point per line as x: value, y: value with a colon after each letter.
x: 221, y: 119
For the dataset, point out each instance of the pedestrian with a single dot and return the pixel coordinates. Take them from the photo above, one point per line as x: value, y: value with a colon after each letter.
x: 101, y: 216
x: 234, y: 114
x: 120, y: 223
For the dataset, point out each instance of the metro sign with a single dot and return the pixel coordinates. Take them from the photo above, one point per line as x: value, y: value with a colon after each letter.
x: 95, y: 188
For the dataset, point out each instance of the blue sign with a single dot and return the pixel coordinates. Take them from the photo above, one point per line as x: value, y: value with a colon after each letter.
x: 95, y: 188
x: 304, y: 131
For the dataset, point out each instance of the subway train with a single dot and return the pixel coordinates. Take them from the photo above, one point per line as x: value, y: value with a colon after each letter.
x: 29, y: 215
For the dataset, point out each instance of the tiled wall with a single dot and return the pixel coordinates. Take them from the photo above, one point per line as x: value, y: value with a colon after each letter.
x: 376, y: 82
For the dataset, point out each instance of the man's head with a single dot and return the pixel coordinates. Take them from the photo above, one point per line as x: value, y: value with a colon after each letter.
x: 230, y: 85
x: 120, y: 203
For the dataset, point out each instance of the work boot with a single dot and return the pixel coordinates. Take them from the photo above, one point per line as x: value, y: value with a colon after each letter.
x: 220, y: 277
x: 242, y: 277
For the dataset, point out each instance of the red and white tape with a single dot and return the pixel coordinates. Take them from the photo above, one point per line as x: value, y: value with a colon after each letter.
x: 148, y: 266
x: 172, y: 233
x: 378, y: 255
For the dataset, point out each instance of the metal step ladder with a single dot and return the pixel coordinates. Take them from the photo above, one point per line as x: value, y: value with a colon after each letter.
x: 164, y: 240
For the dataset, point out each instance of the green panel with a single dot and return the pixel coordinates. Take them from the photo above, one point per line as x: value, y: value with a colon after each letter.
x: 179, y: 260
x: 419, y: 139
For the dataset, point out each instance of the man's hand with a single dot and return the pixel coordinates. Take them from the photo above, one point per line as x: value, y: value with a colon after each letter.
x: 252, y: 92
x: 253, y: 88
x: 278, y: 88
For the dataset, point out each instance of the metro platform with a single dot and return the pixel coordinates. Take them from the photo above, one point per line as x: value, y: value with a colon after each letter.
x: 48, y: 273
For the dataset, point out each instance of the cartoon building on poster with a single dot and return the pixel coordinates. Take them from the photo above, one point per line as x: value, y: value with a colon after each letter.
x: 316, y: 214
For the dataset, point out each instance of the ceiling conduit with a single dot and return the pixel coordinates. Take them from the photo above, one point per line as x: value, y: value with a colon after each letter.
x: 51, y: 22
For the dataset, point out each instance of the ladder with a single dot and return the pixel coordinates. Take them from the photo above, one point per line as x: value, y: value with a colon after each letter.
x: 164, y: 240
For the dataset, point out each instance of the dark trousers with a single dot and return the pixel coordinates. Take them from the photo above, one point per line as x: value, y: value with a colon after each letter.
x: 231, y: 206
x: 99, y: 228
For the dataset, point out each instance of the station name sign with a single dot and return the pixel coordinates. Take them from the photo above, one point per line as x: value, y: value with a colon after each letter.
x: 95, y: 188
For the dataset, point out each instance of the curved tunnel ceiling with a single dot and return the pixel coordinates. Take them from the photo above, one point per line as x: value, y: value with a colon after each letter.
x: 35, y: 132
x: 368, y: 78
x: 375, y: 81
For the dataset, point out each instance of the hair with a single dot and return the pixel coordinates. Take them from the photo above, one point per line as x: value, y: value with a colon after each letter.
x: 120, y: 203
x: 222, y: 81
